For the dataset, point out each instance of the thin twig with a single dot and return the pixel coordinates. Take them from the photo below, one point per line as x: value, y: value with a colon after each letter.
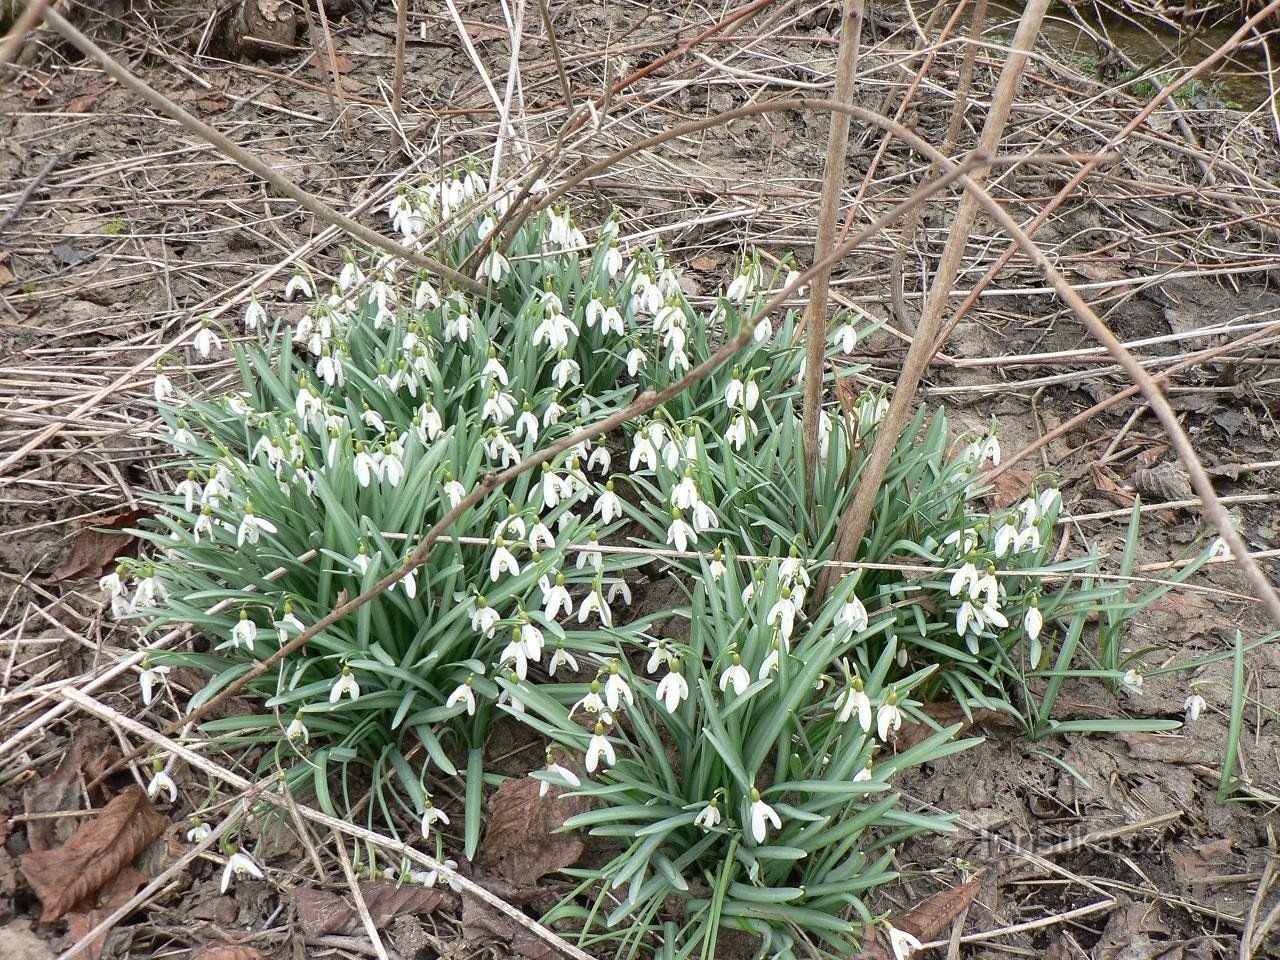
x: 12, y: 213
x: 341, y: 108
x: 397, y: 81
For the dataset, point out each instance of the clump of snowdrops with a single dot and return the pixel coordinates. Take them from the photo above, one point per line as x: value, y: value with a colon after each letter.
x: 741, y: 759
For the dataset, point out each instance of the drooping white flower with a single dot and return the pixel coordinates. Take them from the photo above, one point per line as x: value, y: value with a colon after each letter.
x: 148, y: 676
x: 673, y: 689
x: 709, y: 816
x: 902, y: 943
x: 298, y: 283
x: 783, y: 613
x: 561, y: 658
x: 616, y: 688
x: 162, y: 388
x: 1193, y: 706
x: 161, y: 782
x: 564, y: 773
x: 431, y: 815
x: 599, y: 748
x: 1005, y: 538
x: 590, y: 556
x: 454, y: 491
x: 503, y: 562
x: 540, y: 537
x: 680, y: 534
x: 345, y: 685
x: 199, y: 833
x: 659, y: 654
x: 495, y: 266
x: 594, y: 602
x: 565, y: 371
x: 1132, y: 682
x: 1033, y: 621
x: 846, y: 338
x: 245, y: 631
x: 888, y: 717
x: 635, y: 357
x: 239, y: 864
x: 761, y: 816
x: 853, y: 615
x: 484, y: 618
x: 297, y: 730
x: 206, y: 340
x: 254, y: 315
x: 1219, y: 549
x: 965, y: 580
x: 853, y: 701
x: 967, y: 538
x: 735, y: 675
x: 557, y: 601
x: 465, y: 695
x: 251, y: 526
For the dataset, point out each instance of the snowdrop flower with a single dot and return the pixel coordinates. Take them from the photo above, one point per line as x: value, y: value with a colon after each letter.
x: 199, y: 833
x: 853, y: 701
x: 530, y: 638
x: 673, y: 689
x: 619, y: 588
x: 1028, y: 539
x: 761, y: 816
x: 783, y: 614
x: 616, y: 689
x: 463, y: 694
x: 495, y: 266
x: 298, y: 283
x: 985, y: 449
x: 1033, y: 620
x: 591, y: 702
x: 599, y: 748
x: 888, y: 717
x: 238, y: 864
x: 709, y: 816
x: 555, y: 329
x: 188, y: 489
x: 564, y: 773
x: 1220, y: 549
x: 345, y: 685
x: 203, y: 527
x: 853, y: 614
x: 966, y: 578
x: 716, y: 568
x: 590, y: 556
x: 902, y: 943
x: 635, y: 357
x: 658, y: 656
x: 989, y: 585
x: 600, y: 460
x: 162, y: 782
x: 527, y: 423
x: 613, y: 261
x: 743, y: 285
x: 251, y: 526
x: 561, y: 658
x: 454, y: 491
x: 254, y: 315
x: 297, y: 730
x: 771, y: 662
x: 735, y: 674
x: 362, y: 560
x: 1132, y: 682
x: 557, y: 600
x: 680, y: 534
x: 112, y: 584
x: 967, y: 538
x: 846, y: 338
x: 1006, y: 538
x: 431, y: 815
x: 245, y: 631
x: 206, y: 340
x: 1193, y: 706
x: 540, y: 536
x: 162, y: 388
x: 968, y: 615
x: 565, y: 371
x: 503, y: 562
x: 644, y: 450
x: 594, y: 602
x: 484, y: 618
x: 148, y: 676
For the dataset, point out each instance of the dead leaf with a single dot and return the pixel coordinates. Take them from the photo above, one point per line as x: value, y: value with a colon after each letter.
x: 88, y: 755
x: 1108, y: 485
x: 6, y: 275
x: 480, y: 921
x: 521, y: 845
x: 1009, y: 487
x: 86, y: 100
x: 1167, y: 481
x: 226, y: 951
x: 944, y: 715
x: 1169, y: 748
x: 321, y: 912
x: 94, y: 910
x: 99, y: 850
x: 927, y: 920
x: 94, y: 549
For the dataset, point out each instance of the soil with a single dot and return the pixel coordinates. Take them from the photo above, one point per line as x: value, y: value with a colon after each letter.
x: 1086, y: 845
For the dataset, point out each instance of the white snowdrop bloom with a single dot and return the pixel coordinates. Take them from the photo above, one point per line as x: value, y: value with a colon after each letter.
x: 1005, y: 539
x: 680, y: 534
x: 704, y: 518
x: 564, y: 773
x: 590, y: 556
x: 188, y: 489
x: 393, y: 466
x: 297, y: 730
x: 761, y: 816
x: 902, y: 943
x: 410, y: 583
x: 1028, y: 539
x: 611, y: 320
x: 594, y: 602
x: 298, y: 283
x: 531, y: 639
x: 557, y: 600
x: 888, y: 717
x: 425, y: 296
x: 148, y: 677
x: 199, y: 833
x: 561, y: 658
x: 344, y: 686
x: 673, y: 689
x: 349, y: 276
x: 206, y: 341
x: 716, y: 568
x: 455, y: 492
x: 846, y: 338
x: 540, y: 537
x: 204, y: 525
x: 554, y: 487
x: 599, y: 749
x: 736, y: 434
x: 238, y: 865
x: 659, y: 655
x: 709, y: 816
x: 735, y: 675
x: 1220, y: 549
x: 112, y: 584
x: 162, y: 387
x: 853, y: 701
x: 613, y: 261
x: 635, y: 357
x: 1193, y: 706
x: 555, y: 330
x: 503, y: 562
x: 513, y: 656
x: 771, y: 662
x: 1033, y: 621
x: 608, y: 505
x: 252, y: 526
x: 365, y: 465
x: 527, y: 424
x: 824, y: 433
x: 484, y: 618
x: 783, y: 614
x: 764, y: 330
x: 594, y: 311
x: 685, y: 494
x: 986, y: 584
x: 967, y: 615
x: 161, y: 782
x: 1029, y: 510
x: 1132, y: 682
x: 254, y: 315
x: 853, y: 614
x: 499, y: 407
x: 329, y: 369
x: 677, y: 358
x: 965, y: 580
x: 565, y: 371
x: 616, y: 688
x: 494, y: 369
x: 1049, y: 500
x: 591, y: 702
x: 601, y: 461
x: 494, y: 266
x: 245, y: 631
x: 743, y: 284
x: 431, y: 815
x: 643, y: 452
x: 966, y: 538
x: 992, y: 615
x: 619, y: 588
x: 552, y: 414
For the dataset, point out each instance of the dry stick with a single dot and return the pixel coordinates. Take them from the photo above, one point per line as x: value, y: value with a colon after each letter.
x: 548, y: 26
x: 14, y: 39
x: 645, y: 402
x: 1049, y: 208
x: 833, y: 182
x: 333, y: 68
x: 314, y: 36
x: 397, y: 81
x: 1008, y: 462
x: 362, y: 908
x: 858, y: 514
x: 308, y: 201
x: 12, y: 213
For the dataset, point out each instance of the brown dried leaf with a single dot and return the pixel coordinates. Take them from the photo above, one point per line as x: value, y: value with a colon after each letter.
x: 321, y: 912
x: 1169, y: 748
x: 1106, y: 484
x: 94, y: 550
x: 521, y: 845
x: 99, y: 850
x: 944, y: 715
x: 94, y: 910
x: 226, y: 951
x: 60, y: 791
x: 928, y: 919
x: 1167, y: 481
x: 482, y: 922
x: 1009, y: 487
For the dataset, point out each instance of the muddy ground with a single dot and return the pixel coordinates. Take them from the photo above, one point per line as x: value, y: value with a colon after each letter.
x: 1085, y: 846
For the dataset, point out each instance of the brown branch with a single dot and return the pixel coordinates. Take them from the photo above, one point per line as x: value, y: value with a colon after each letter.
x: 397, y: 80
x: 308, y: 201
x: 22, y: 27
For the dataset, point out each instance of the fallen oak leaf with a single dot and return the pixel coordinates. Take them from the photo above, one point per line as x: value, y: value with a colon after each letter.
x: 95, y: 548
x: 524, y: 841
x: 947, y: 714
x: 94, y: 910
x: 321, y: 913
x: 99, y: 850
x: 925, y: 921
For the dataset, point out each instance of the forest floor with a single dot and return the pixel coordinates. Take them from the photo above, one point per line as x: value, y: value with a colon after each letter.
x: 1086, y: 846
